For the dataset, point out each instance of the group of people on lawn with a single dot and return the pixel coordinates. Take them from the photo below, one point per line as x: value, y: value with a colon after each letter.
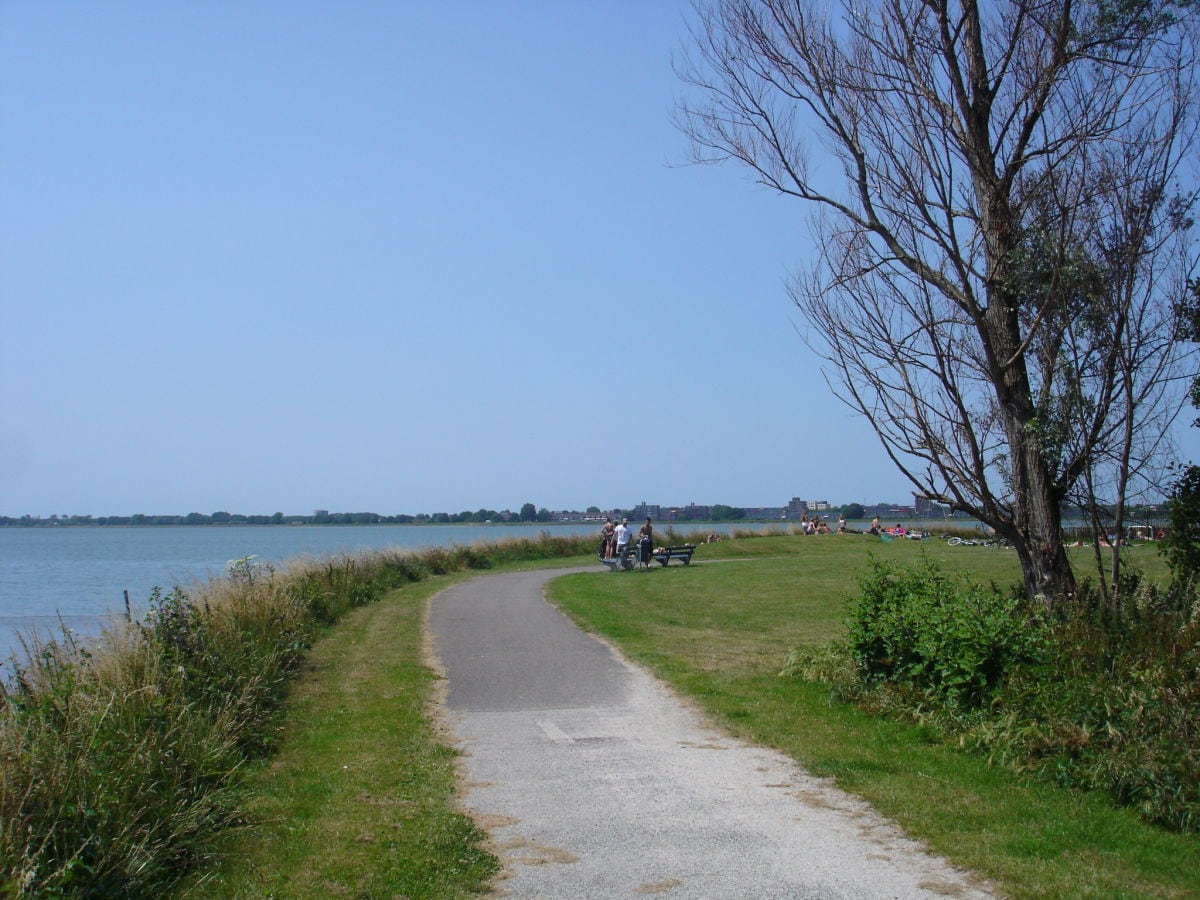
x: 818, y: 525
x: 614, y: 540
x: 898, y: 531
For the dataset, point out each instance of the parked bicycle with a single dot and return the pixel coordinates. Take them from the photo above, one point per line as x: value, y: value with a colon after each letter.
x: 955, y: 541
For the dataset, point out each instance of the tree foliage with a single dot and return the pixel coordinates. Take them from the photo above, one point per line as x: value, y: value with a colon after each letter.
x: 1182, y: 545
x: 719, y: 512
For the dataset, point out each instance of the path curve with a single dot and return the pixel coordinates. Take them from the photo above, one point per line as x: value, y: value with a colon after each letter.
x: 593, y: 780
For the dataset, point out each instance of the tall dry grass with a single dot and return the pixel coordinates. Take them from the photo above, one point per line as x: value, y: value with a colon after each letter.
x: 120, y: 761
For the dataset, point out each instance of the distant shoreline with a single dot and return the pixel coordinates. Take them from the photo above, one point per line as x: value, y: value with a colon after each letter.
x: 424, y: 523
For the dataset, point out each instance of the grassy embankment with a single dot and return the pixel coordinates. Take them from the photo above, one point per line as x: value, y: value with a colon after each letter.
x: 125, y: 766
x: 356, y: 795
x: 721, y: 633
x: 360, y: 799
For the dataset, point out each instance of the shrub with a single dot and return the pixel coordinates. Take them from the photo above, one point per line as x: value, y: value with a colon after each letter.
x: 938, y: 633
x: 1124, y: 712
x: 1098, y: 694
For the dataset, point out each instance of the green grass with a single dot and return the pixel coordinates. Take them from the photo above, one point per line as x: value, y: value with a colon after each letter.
x: 720, y: 633
x: 124, y: 765
x: 360, y: 799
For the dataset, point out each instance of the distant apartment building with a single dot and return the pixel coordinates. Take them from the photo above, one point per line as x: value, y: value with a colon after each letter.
x: 889, y: 511
x: 643, y: 509
x: 798, y: 509
x: 928, y: 508
x: 693, y: 512
x: 568, y: 515
x: 766, y: 512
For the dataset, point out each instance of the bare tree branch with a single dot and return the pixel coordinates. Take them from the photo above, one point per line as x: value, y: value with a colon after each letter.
x: 997, y: 266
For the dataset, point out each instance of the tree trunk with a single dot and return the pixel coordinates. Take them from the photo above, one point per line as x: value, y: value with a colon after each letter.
x: 1044, y: 564
x: 1037, y: 514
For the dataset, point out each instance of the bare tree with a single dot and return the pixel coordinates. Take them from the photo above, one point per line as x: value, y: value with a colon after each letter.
x: 990, y: 284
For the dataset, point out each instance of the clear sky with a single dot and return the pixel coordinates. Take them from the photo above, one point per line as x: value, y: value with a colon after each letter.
x: 395, y: 257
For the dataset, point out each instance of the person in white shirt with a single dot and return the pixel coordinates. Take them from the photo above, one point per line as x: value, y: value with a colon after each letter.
x: 622, y: 537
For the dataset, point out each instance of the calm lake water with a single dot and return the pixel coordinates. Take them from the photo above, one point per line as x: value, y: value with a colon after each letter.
x: 79, y: 575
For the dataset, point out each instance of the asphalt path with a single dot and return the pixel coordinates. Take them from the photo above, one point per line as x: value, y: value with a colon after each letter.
x: 593, y: 780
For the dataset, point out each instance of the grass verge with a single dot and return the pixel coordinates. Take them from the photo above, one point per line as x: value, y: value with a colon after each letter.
x: 359, y: 801
x: 122, y: 764
x: 360, y: 798
x: 720, y: 634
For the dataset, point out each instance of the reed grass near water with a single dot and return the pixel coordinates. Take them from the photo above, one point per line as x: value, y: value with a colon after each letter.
x: 121, y: 762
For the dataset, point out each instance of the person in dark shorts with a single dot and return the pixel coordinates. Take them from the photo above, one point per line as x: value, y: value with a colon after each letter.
x: 645, y: 543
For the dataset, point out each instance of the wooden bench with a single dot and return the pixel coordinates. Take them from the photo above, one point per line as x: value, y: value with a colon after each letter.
x: 664, y: 555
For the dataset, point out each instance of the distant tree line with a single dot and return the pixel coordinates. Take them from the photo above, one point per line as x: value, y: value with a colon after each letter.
x: 216, y: 518
x: 528, y: 513
x: 718, y: 512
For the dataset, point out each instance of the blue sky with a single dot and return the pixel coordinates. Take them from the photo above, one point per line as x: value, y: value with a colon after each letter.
x: 397, y: 257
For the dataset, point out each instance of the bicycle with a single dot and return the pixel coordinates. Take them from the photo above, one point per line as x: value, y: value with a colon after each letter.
x: 1000, y: 542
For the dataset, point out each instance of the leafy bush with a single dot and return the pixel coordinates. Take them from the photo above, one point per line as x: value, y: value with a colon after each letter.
x: 1097, y: 694
x: 1123, y: 714
x: 938, y: 633
x: 1182, y: 544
